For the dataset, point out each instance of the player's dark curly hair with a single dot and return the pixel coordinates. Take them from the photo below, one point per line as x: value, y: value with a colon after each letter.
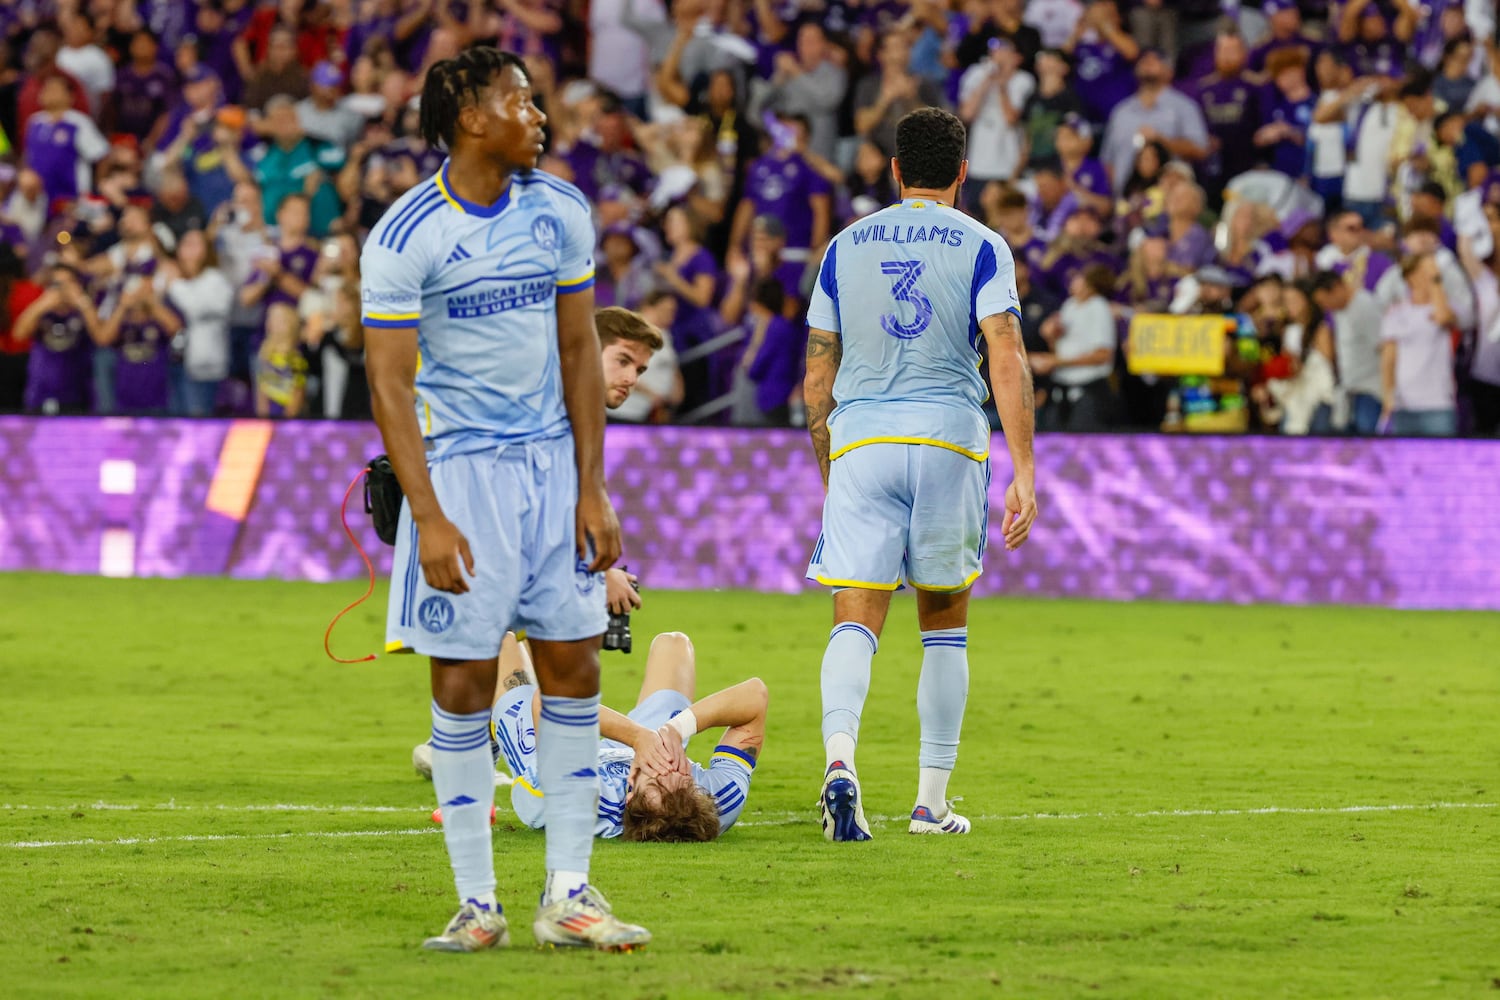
x: 454, y: 84
x: 930, y: 148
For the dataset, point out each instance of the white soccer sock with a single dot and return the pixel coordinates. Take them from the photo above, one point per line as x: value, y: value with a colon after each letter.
x: 932, y: 790
x: 846, y: 684
x: 561, y: 884
x: 567, y: 750
x: 942, y: 691
x: 463, y: 775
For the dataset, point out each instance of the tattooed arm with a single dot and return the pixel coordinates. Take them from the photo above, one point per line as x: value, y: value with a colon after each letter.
x: 1010, y: 379
x: 824, y: 352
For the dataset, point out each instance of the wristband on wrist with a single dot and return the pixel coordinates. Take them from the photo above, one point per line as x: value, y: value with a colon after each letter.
x: 686, y: 724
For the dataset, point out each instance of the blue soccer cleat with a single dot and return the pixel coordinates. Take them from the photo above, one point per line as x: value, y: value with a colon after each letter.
x: 843, y: 816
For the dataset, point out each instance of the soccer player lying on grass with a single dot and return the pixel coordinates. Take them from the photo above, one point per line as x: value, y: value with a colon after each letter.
x: 648, y: 789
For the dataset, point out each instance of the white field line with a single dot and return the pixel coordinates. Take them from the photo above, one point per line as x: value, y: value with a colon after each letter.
x: 783, y: 819
x: 197, y: 837
x: 790, y: 819
x: 174, y: 807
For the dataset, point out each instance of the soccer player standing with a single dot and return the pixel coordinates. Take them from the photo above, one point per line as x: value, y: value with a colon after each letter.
x: 487, y: 387
x: 894, y: 408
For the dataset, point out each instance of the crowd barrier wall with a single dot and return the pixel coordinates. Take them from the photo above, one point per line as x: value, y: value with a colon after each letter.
x: 1394, y: 523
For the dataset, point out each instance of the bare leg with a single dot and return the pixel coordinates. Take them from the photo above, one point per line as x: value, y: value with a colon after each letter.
x: 670, y: 666
x: 864, y: 607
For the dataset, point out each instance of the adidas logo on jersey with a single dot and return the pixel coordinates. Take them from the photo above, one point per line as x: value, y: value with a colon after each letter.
x: 458, y: 254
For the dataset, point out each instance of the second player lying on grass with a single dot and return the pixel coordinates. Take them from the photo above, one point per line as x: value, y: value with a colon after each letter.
x: 648, y: 789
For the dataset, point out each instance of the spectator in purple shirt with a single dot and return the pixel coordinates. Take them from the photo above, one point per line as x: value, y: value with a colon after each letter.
x: 690, y: 273
x: 145, y: 90
x: 283, y: 278
x: 1230, y: 110
x: 771, y: 366
x: 1189, y: 246
x: 1286, y: 33
x: 141, y: 329
x: 219, y: 23
x: 1011, y: 218
x: 64, y: 327
x: 201, y: 97
x: 1286, y: 113
x: 1102, y: 53
x: 1053, y: 202
x: 62, y: 144
x: 1087, y: 179
x: 604, y: 159
x: 1374, y: 46
x: 624, y: 273
x: 784, y: 184
x: 1077, y: 248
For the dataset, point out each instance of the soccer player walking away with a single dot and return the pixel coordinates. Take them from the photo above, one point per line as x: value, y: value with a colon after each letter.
x: 487, y: 387
x: 894, y: 408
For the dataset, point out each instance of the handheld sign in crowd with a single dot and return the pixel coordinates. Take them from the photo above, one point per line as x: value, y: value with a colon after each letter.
x: 1177, y: 345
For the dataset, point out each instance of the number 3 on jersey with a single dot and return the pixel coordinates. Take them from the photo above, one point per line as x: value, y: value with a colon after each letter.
x: 905, y: 290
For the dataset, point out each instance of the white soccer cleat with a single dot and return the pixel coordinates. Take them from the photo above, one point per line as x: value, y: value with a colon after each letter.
x: 923, y: 821
x: 584, y: 920
x: 843, y: 815
x: 421, y: 759
x: 474, y: 928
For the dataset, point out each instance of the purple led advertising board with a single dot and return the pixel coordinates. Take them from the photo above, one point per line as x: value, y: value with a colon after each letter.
x: 1412, y: 524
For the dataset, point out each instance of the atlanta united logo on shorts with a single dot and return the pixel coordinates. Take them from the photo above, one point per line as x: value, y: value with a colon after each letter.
x: 436, y: 614
x: 544, y: 230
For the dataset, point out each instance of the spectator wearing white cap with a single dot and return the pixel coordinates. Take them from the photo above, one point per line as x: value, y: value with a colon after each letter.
x: 991, y: 96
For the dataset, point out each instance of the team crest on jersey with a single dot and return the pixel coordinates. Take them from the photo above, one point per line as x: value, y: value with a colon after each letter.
x: 546, y: 230
x: 436, y: 614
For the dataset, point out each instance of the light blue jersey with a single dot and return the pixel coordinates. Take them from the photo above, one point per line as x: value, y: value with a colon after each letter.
x: 480, y: 284
x: 727, y: 777
x: 905, y: 289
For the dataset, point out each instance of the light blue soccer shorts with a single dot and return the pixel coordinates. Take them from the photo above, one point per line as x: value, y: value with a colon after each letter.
x: 903, y: 513
x: 516, y: 505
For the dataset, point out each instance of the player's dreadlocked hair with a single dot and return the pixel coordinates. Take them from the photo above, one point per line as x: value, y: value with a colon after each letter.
x: 454, y: 84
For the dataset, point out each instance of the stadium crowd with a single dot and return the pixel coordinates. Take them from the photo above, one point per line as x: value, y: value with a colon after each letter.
x: 185, y: 187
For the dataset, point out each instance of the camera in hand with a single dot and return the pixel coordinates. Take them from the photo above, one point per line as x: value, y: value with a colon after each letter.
x: 617, y: 636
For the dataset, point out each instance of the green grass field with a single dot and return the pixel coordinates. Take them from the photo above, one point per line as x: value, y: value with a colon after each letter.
x: 1119, y: 761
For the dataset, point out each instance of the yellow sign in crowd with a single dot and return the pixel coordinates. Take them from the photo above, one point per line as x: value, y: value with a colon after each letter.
x: 1177, y: 345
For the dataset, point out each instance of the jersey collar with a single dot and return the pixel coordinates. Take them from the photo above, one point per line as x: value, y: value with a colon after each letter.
x: 923, y: 203
x: 466, y: 206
